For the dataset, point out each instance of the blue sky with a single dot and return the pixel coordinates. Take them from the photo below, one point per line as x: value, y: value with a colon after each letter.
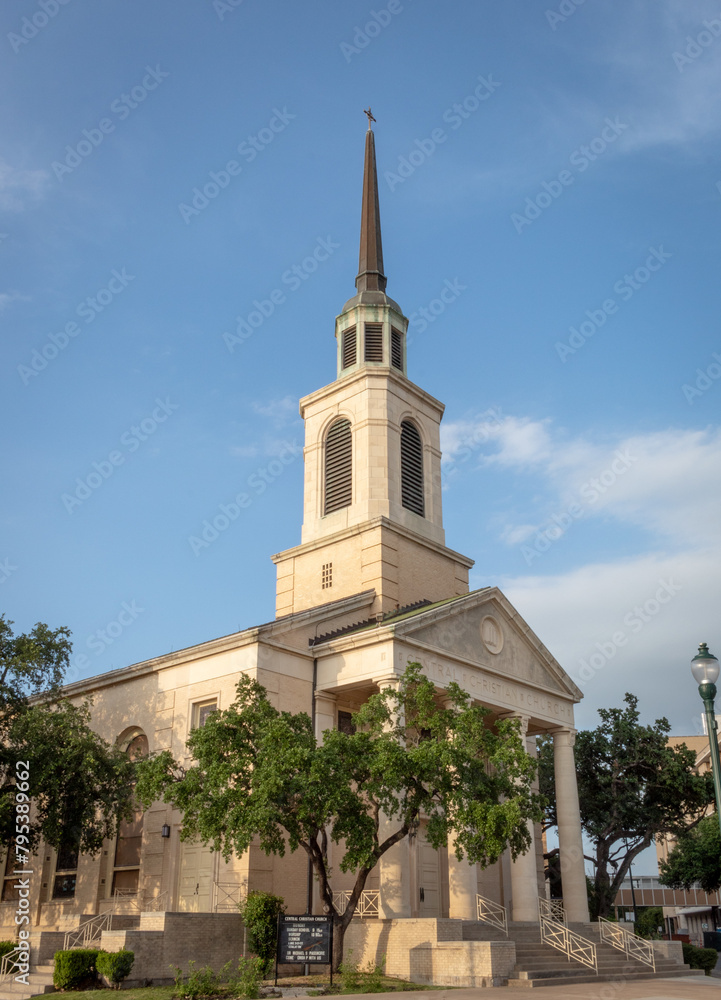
x: 553, y: 167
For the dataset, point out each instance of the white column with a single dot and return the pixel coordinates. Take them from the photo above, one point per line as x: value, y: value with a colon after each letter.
x: 462, y: 885
x: 394, y: 865
x: 575, y: 898
x: 462, y: 877
x: 524, y: 877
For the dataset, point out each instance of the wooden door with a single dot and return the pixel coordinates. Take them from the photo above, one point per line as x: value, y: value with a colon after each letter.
x: 197, y: 864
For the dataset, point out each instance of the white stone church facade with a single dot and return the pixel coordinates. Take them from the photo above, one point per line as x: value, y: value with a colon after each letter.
x: 371, y: 587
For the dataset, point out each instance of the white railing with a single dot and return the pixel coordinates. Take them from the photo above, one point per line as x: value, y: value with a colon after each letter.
x: 493, y: 913
x: 571, y: 944
x: 367, y: 905
x: 624, y: 940
x: 88, y: 933
x: 10, y: 961
x: 552, y: 909
x: 138, y: 900
x: 228, y: 895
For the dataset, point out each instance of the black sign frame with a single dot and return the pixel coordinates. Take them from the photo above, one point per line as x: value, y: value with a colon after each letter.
x: 305, y: 929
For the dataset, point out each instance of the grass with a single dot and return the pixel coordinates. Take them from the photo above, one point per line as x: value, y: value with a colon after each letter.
x: 317, y: 986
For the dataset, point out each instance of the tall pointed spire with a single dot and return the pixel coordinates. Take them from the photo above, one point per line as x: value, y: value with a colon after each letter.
x: 370, y: 262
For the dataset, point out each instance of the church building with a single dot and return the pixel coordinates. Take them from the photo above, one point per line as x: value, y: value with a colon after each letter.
x: 371, y: 586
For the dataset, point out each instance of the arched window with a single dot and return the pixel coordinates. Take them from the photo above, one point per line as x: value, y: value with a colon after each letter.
x: 338, y: 467
x: 411, y: 469
x: 126, y: 867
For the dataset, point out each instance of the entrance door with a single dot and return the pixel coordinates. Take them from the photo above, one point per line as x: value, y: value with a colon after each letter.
x: 196, y: 878
x: 429, y: 880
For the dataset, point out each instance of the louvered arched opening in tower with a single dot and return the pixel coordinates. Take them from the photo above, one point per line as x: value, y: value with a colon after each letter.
x: 338, y: 467
x: 411, y: 469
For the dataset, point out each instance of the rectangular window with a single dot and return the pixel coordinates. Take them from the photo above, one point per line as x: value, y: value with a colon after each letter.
x: 327, y: 576
x: 10, y: 888
x: 66, y: 864
x: 202, y: 710
x: 373, y: 342
x: 349, y: 348
x: 396, y: 350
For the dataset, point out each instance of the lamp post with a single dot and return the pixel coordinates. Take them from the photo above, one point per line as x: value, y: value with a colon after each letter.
x: 705, y: 669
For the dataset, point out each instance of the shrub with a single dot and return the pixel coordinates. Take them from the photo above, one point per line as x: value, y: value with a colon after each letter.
x: 6, y: 946
x: 201, y: 982
x: 350, y: 974
x: 246, y: 981
x: 73, y: 968
x: 372, y: 977
x: 260, y: 911
x: 700, y: 958
x: 114, y: 966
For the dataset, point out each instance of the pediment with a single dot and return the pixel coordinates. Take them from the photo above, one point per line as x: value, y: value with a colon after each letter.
x: 485, y: 629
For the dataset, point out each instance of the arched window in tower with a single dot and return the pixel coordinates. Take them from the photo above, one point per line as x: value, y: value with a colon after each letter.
x: 338, y: 467
x: 411, y: 469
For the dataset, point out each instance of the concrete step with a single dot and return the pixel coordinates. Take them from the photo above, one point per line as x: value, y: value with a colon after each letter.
x: 591, y: 978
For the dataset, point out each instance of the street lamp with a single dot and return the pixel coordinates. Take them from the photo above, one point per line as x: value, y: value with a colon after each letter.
x: 705, y: 669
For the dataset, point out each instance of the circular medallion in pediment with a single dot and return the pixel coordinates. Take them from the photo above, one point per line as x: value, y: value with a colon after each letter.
x: 491, y: 634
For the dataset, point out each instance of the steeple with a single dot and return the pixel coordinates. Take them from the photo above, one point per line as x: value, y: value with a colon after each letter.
x: 370, y: 261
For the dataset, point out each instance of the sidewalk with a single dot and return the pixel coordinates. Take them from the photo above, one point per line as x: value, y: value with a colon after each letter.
x: 693, y: 988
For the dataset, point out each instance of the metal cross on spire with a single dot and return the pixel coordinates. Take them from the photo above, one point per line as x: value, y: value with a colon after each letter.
x: 370, y: 117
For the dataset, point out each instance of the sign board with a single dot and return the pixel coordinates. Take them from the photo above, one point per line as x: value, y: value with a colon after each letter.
x: 305, y: 939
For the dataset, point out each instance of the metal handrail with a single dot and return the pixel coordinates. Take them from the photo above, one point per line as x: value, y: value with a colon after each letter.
x: 625, y: 940
x: 88, y: 932
x: 491, y: 912
x: 552, y: 909
x: 10, y: 959
x: 367, y: 905
x: 139, y: 900
x: 571, y: 944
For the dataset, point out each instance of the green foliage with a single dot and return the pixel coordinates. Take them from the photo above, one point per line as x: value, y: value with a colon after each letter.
x: 632, y: 787
x: 259, y: 776
x: 650, y: 918
x: 260, y: 911
x: 73, y: 968
x: 115, y: 966
x: 244, y: 981
x: 695, y: 858
x: 700, y: 958
x: 79, y: 784
x: 6, y: 946
x: 356, y: 980
x: 202, y: 982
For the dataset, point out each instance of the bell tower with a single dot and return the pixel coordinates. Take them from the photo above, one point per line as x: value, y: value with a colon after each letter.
x: 372, y: 490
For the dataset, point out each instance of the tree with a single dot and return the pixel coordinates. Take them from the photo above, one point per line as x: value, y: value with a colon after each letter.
x: 79, y: 786
x: 259, y: 773
x: 695, y: 858
x: 632, y: 787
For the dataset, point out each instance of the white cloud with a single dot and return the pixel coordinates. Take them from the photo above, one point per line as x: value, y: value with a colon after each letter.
x: 17, y: 186
x: 7, y: 298
x: 280, y: 411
